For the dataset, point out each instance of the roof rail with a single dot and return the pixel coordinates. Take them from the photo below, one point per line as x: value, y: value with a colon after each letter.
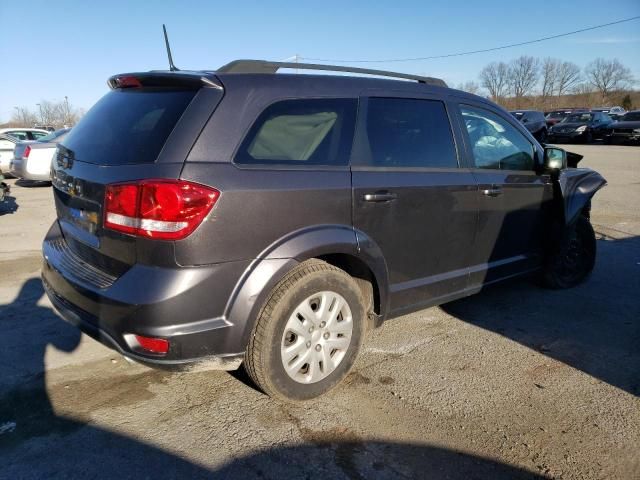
x: 263, y: 66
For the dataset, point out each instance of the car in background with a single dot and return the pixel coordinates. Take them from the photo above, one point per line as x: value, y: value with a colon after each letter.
x: 24, y: 134
x: 582, y: 127
x: 32, y: 160
x: 556, y: 116
x: 626, y: 130
x: 7, y: 146
x: 534, y: 121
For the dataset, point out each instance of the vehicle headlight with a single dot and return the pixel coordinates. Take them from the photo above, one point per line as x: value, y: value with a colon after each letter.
x: 581, y: 129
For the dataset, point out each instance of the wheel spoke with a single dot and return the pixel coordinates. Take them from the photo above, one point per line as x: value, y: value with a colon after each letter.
x: 338, y: 343
x: 325, y: 302
x: 295, y: 366
x: 332, y: 316
x: 294, y: 325
x: 344, y: 327
x: 298, y: 348
x: 315, y: 373
x: 304, y: 309
x: 327, y: 362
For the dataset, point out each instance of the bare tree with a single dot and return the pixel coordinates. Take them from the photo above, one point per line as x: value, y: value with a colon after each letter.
x: 523, y: 75
x: 567, y: 77
x: 495, y: 78
x: 608, y: 75
x: 23, y: 117
x: 471, y: 87
x: 549, y: 73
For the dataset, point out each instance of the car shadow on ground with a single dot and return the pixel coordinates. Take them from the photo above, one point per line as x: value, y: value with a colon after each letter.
x: 8, y: 205
x: 38, y: 442
x: 593, y: 327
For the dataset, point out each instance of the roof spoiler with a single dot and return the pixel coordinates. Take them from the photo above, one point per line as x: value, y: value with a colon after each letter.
x: 181, y: 79
x: 263, y: 66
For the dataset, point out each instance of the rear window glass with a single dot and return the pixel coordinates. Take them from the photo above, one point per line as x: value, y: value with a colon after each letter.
x: 127, y: 126
x: 301, y: 132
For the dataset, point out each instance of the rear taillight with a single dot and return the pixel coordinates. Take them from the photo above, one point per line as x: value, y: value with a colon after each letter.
x: 159, y: 346
x: 162, y: 209
x: 26, y: 152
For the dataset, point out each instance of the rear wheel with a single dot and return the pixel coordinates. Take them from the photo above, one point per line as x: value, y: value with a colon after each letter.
x: 573, y: 257
x: 308, y: 334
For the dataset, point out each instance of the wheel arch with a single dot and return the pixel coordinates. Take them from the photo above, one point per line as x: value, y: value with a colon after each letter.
x: 338, y: 245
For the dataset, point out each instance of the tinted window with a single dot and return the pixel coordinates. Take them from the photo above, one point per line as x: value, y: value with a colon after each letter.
x: 631, y: 117
x: 38, y: 135
x: 19, y: 135
x: 579, y: 118
x: 301, y: 132
x: 495, y: 142
x: 409, y: 133
x: 127, y: 126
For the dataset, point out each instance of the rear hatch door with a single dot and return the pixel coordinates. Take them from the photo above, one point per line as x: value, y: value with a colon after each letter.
x: 141, y: 131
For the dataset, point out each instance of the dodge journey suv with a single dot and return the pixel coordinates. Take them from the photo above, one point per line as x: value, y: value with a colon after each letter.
x: 242, y: 216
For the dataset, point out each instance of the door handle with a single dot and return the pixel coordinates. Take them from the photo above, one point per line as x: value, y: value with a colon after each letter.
x: 494, y: 191
x: 379, y: 197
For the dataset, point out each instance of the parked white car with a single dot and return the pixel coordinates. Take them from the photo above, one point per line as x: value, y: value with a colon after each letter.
x: 7, y: 146
x: 32, y: 160
x: 25, y: 134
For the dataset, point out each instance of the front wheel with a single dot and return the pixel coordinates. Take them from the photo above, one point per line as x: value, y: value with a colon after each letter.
x: 573, y: 257
x: 308, y: 334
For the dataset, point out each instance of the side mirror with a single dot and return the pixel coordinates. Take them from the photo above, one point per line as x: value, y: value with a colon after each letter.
x: 554, y: 158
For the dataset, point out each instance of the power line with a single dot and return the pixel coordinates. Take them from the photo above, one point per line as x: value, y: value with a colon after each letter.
x: 459, y: 54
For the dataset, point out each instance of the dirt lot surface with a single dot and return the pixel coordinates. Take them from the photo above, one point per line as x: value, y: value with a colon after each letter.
x: 515, y: 382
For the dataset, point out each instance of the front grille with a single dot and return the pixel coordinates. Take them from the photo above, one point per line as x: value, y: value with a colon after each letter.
x: 60, y: 256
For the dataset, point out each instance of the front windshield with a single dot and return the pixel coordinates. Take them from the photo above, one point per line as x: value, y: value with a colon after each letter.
x: 53, y: 135
x: 578, y: 118
x: 631, y: 117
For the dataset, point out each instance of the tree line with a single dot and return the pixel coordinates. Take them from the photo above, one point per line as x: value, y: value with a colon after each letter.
x: 56, y: 114
x: 549, y: 79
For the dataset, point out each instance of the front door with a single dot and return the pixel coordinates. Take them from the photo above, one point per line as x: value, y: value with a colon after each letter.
x: 411, y: 198
x: 514, y: 201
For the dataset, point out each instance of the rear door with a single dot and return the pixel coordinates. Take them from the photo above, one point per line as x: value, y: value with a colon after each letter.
x: 514, y: 201
x: 412, y: 199
x: 130, y: 134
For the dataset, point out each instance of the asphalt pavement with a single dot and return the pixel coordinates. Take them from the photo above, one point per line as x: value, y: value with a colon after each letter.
x: 515, y: 382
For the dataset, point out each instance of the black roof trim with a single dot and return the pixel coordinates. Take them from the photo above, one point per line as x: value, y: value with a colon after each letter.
x: 263, y: 66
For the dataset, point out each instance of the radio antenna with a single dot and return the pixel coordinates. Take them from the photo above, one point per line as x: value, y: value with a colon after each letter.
x: 172, y: 67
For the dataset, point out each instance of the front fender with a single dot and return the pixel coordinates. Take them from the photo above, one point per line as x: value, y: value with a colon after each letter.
x: 576, y: 187
x: 253, y: 289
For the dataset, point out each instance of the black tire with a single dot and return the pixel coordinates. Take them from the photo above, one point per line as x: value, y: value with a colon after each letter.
x: 263, y: 359
x: 573, y: 257
x: 588, y: 138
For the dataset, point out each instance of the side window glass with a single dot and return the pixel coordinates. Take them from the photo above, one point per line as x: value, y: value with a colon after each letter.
x: 301, y: 132
x: 19, y: 135
x: 495, y: 143
x: 409, y: 133
x: 37, y: 135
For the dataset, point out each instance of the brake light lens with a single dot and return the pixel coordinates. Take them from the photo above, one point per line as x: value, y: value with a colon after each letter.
x: 161, y: 209
x: 26, y: 152
x: 128, y: 82
x: 153, y: 345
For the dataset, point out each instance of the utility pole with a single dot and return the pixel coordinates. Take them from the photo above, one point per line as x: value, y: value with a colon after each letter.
x: 40, y: 108
x: 66, y: 117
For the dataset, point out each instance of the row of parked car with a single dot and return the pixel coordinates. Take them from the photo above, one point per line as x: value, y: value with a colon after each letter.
x: 27, y: 152
x: 610, y: 125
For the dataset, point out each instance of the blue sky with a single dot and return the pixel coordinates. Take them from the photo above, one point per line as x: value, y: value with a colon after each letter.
x: 53, y: 49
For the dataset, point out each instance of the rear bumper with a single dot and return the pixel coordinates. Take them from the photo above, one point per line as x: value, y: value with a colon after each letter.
x: 183, y: 305
x: 18, y: 168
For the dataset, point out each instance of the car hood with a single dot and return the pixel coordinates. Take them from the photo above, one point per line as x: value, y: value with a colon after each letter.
x: 629, y: 124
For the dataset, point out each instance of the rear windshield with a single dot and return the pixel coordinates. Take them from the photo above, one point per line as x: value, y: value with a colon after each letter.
x: 127, y: 126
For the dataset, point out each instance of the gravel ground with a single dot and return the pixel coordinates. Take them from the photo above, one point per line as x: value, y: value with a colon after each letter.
x: 515, y: 382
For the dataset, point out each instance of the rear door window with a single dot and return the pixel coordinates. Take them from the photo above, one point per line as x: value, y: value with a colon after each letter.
x: 301, y: 132
x: 409, y: 133
x: 128, y: 126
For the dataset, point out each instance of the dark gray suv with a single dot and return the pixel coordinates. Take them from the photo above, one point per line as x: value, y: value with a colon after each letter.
x: 244, y: 216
